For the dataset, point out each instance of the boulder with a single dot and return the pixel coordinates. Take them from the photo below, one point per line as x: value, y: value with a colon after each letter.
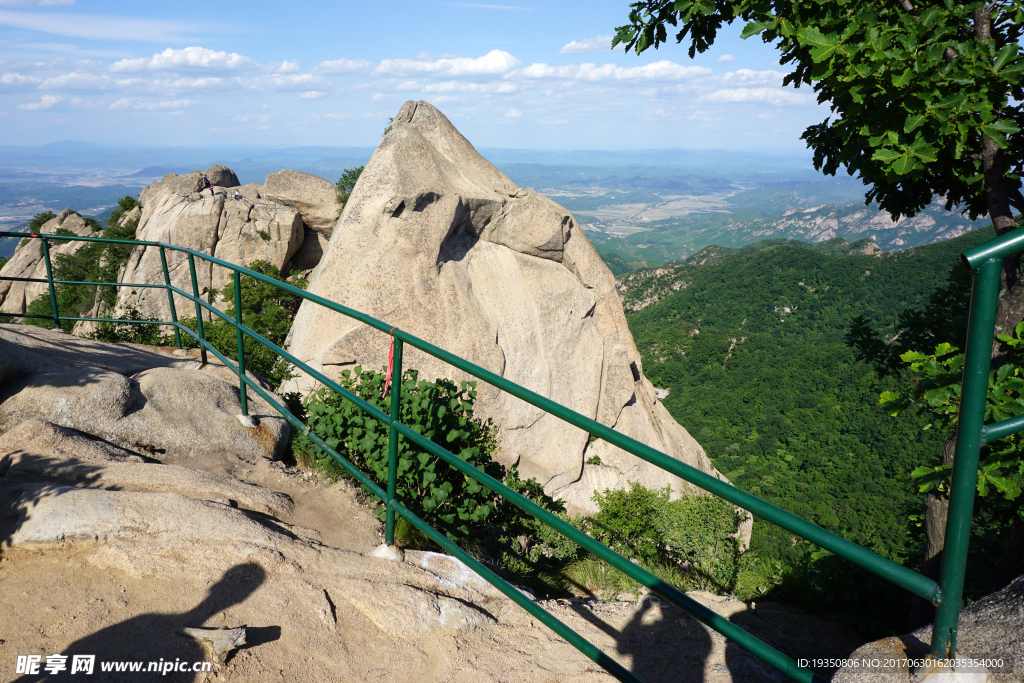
x: 143, y: 397
x: 238, y: 231
x: 310, y: 195
x: 38, y: 450
x: 438, y: 242
x: 989, y: 629
x: 189, y: 183
x: 28, y: 262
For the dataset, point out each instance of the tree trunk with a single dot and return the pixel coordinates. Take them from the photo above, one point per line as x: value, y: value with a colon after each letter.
x: 936, y: 510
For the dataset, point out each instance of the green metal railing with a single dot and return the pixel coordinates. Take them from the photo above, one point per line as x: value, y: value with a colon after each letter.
x: 984, y: 261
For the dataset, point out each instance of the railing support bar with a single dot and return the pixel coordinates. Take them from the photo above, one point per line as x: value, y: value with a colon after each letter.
x: 393, y: 436
x: 49, y: 280
x: 170, y: 297
x: 199, y: 309
x: 971, y: 422
x: 241, y: 347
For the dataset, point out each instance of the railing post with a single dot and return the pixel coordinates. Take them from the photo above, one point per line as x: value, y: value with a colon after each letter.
x: 170, y: 297
x: 199, y: 309
x: 393, y: 436
x: 49, y: 279
x: 241, y: 349
x: 977, y: 360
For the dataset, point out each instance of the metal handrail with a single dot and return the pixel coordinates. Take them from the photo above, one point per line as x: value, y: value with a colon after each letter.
x: 946, y: 593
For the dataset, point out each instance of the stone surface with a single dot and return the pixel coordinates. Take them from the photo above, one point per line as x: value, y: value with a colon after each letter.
x: 38, y: 450
x: 238, y: 231
x: 310, y: 195
x: 388, y: 552
x: 438, y: 242
x: 28, y: 261
x: 129, y: 394
x: 990, y: 628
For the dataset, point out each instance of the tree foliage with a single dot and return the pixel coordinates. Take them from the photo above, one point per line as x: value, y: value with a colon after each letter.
x: 347, y: 182
x: 925, y: 100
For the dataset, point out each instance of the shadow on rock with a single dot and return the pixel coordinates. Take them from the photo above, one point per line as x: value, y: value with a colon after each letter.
x: 664, y: 644
x: 17, y: 497
x: 153, y: 637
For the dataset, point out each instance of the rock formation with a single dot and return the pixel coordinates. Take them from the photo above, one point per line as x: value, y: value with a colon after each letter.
x: 28, y: 261
x: 991, y: 628
x: 110, y: 548
x: 438, y: 242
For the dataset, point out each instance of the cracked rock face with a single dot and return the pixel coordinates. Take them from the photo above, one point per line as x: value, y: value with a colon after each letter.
x: 238, y: 231
x: 438, y: 242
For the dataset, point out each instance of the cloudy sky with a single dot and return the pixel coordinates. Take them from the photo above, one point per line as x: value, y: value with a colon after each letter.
x: 528, y: 74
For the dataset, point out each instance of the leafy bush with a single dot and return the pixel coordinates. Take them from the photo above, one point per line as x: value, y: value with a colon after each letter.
x: 266, y: 310
x: 40, y: 219
x: 121, y: 332
x: 526, y: 547
x: 695, y: 533
x: 701, y: 531
x: 347, y: 182
x: 91, y: 262
x: 453, y: 503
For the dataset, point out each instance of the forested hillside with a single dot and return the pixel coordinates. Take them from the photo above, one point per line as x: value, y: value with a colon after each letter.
x: 751, y: 343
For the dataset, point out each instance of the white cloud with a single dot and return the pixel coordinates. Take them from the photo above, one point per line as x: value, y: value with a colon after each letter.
x: 726, y: 58
x: 286, y: 82
x: 312, y: 95
x: 201, y: 83
x: 340, y: 66
x: 513, y: 113
x: 84, y: 80
x: 288, y: 67
x: 8, y: 78
x: 188, y: 58
x: 98, y: 27
x: 663, y: 70
x: 776, y: 96
x: 494, y: 62
x: 144, y: 105
x: 45, y: 102
x: 749, y: 77
x: 462, y: 86
x: 588, y: 45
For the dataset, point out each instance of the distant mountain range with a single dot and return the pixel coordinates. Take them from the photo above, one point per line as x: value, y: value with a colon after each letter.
x: 855, y: 221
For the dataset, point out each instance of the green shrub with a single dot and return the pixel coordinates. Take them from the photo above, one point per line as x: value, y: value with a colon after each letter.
x: 91, y: 262
x: 627, y: 522
x: 526, y: 547
x: 702, y: 533
x: 694, y: 534
x: 266, y: 310
x: 347, y: 182
x: 446, y: 499
x: 40, y: 219
x: 120, y: 332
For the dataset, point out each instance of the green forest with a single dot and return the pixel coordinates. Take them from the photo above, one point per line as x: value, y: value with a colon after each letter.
x: 753, y: 347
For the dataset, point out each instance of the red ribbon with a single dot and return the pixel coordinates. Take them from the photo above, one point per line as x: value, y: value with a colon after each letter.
x: 391, y: 360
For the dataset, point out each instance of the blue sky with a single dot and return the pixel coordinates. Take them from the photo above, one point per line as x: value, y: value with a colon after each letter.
x: 528, y: 74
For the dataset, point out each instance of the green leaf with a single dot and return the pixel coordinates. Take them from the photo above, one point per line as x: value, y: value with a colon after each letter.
x: 825, y: 44
x: 913, y: 121
x: 1008, y: 52
x: 902, y: 79
x: 752, y: 29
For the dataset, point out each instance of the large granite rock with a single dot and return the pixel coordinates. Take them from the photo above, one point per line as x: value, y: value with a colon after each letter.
x: 989, y: 629
x: 440, y: 243
x: 310, y: 195
x: 131, y: 396
x: 238, y: 231
x: 28, y: 261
